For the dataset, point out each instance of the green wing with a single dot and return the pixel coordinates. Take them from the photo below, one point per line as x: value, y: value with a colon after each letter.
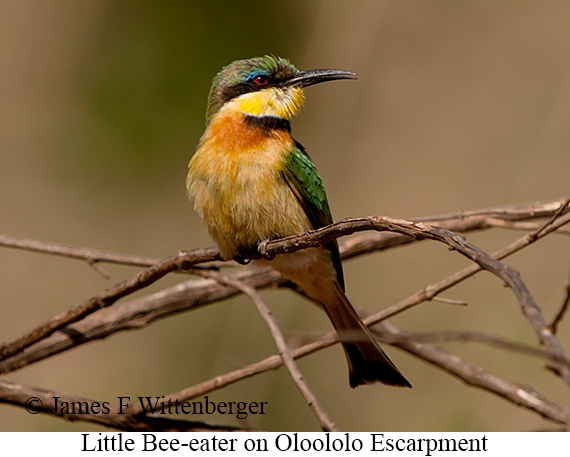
x: 302, y: 177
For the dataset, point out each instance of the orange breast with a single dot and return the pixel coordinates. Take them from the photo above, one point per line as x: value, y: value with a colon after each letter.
x: 229, y: 132
x: 236, y: 180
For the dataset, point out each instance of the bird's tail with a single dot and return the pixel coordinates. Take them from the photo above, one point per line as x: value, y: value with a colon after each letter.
x: 367, y: 363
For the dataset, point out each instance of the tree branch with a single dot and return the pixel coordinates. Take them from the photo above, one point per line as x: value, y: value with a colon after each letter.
x: 493, y: 340
x: 141, y: 312
x: 478, y: 377
x: 463, y: 221
x: 284, y: 352
x: 191, y: 294
x: 561, y: 312
x: 75, y: 252
x: 181, y: 261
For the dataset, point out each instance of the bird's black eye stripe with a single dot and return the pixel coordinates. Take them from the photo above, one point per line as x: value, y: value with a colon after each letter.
x: 235, y: 91
x: 252, y: 85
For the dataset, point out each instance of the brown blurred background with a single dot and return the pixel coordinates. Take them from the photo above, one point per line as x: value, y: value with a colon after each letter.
x: 458, y: 106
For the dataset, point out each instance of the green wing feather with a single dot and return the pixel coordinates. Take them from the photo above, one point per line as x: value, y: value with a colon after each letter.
x: 303, y: 178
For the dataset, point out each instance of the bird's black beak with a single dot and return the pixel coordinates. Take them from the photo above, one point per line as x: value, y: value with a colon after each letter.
x: 310, y: 77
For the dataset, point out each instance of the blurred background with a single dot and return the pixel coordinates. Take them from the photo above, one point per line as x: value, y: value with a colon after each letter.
x: 458, y: 106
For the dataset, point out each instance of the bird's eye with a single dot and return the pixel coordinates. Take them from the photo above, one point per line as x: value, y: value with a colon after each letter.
x: 261, y: 80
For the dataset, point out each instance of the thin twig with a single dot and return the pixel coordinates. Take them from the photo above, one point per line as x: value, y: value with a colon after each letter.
x: 272, y: 362
x: 389, y: 334
x: 139, y: 313
x: 526, y: 226
x: 559, y: 212
x: 463, y: 221
x: 284, y: 352
x: 181, y: 261
x: 430, y: 291
x: 477, y: 376
x: 561, y: 312
x: 449, y: 301
x: 493, y: 340
x: 75, y: 252
x: 98, y: 268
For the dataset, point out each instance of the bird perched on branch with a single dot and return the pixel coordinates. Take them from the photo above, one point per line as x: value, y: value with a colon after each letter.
x: 252, y: 182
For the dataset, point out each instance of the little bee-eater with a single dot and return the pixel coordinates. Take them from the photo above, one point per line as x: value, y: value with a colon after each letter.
x: 251, y: 182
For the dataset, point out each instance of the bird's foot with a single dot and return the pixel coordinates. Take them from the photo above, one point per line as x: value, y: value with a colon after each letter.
x: 262, y: 249
x: 241, y: 260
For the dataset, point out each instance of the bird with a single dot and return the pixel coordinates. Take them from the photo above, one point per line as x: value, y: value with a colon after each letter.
x: 251, y: 182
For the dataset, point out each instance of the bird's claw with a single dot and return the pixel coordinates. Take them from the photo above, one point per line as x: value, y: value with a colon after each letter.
x: 242, y: 260
x: 262, y: 249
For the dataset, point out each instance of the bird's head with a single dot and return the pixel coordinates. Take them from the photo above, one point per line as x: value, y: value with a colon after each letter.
x: 265, y: 86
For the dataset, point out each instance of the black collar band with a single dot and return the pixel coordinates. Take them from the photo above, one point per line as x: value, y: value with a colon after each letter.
x: 268, y: 122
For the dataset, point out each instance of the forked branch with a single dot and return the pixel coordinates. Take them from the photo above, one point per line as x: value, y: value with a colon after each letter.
x: 76, y: 327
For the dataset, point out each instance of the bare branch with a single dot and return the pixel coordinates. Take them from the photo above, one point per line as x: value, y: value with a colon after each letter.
x: 419, y: 230
x: 477, y: 376
x: 432, y: 290
x: 98, y: 268
x: 191, y: 294
x: 75, y: 252
x: 561, y: 312
x: 463, y: 221
x: 284, y: 352
x: 389, y: 334
x: 106, y: 298
x: 493, y: 340
x: 138, y: 313
x: 272, y: 362
x: 526, y: 226
x: 559, y: 212
x: 325, y: 421
x: 449, y: 301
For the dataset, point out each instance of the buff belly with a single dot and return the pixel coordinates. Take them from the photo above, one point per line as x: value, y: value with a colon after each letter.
x: 255, y: 205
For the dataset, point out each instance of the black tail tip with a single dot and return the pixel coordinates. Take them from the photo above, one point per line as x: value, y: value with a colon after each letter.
x: 373, y: 373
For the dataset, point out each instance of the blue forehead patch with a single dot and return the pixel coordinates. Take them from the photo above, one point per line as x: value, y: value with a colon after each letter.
x: 257, y: 72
